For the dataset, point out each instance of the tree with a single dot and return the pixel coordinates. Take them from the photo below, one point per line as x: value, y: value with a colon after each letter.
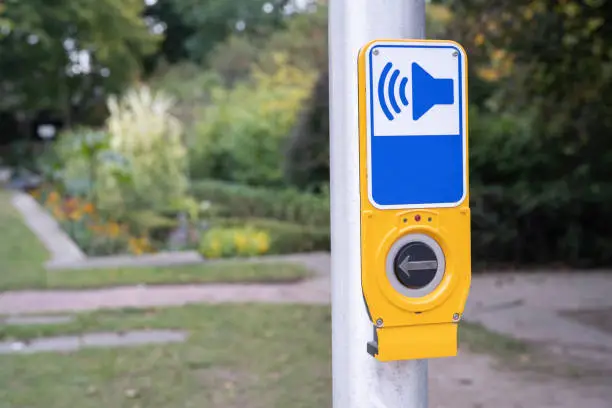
x: 306, y: 163
x: 303, y: 39
x: 540, y: 142
x: 552, y: 58
x: 195, y: 27
x: 60, y: 55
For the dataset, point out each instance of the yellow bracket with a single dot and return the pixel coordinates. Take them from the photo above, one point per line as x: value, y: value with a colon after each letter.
x: 414, y: 342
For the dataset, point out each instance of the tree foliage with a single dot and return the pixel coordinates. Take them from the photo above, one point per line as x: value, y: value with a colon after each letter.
x: 306, y: 161
x: 241, y: 135
x: 195, y: 27
x: 541, y: 147
x: 553, y: 59
x: 303, y: 40
x: 72, y: 52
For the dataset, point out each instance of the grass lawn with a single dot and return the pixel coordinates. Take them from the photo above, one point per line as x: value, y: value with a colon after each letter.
x: 229, y: 272
x: 481, y: 340
x: 22, y: 257
x: 243, y: 356
x: 21, y: 253
x: 254, y: 356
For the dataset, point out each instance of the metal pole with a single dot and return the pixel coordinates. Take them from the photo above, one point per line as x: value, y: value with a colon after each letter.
x: 360, y: 381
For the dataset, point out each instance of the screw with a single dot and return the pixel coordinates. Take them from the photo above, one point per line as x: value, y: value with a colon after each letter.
x: 455, y: 53
x: 379, y: 322
x: 456, y: 316
x: 375, y: 52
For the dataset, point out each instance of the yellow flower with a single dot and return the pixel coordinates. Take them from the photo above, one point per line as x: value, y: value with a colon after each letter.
x: 213, y: 250
x: 489, y: 74
x: 113, y: 230
x: 144, y: 244
x: 263, y: 242
x: 134, y: 246
x: 479, y: 40
x: 240, y: 240
x: 88, y: 208
x: 75, y: 215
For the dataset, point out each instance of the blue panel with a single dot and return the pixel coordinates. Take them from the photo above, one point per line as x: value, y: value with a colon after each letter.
x: 417, y: 169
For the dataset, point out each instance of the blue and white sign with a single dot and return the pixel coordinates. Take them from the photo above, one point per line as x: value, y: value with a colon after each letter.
x: 416, y: 124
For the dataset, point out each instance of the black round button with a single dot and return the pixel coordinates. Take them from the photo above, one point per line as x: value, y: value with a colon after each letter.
x: 415, y: 265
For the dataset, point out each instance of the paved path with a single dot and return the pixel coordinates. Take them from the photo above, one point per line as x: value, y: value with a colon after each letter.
x: 143, y: 296
x: 477, y: 381
x: 534, y: 307
x: 315, y: 290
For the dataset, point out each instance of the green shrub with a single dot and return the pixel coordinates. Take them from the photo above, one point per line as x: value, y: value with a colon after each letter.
x: 144, y: 132
x: 222, y: 242
x: 530, y: 205
x: 306, y: 161
x: 190, y: 86
x: 285, y: 237
x: 241, y: 135
x: 137, y: 162
x: 235, y: 200
x: 78, y: 160
x: 157, y: 226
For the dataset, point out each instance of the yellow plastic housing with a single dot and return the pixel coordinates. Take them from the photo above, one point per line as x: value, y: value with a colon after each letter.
x: 412, y: 328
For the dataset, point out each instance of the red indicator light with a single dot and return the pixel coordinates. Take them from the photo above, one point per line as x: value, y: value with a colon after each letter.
x: 417, y: 218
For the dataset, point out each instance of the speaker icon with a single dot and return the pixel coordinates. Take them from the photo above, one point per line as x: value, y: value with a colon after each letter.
x: 428, y: 91
x: 391, y: 91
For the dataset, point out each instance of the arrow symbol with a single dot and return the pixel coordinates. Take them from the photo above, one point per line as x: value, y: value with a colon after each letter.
x: 406, y: 265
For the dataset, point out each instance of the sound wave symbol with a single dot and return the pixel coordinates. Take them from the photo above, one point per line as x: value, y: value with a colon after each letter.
x: 391, y: 91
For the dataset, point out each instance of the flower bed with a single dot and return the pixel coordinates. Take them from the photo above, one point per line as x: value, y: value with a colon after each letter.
x: 98, y: 233
x: 94, y: 233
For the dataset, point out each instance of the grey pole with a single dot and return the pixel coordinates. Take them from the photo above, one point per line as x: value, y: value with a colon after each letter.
x: 360, y: 381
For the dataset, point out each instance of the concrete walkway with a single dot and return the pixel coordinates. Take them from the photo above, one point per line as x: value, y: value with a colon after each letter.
x: 315, y: 290
x: 473, y: 380
x: 143, y: 296
x: 535, y: 307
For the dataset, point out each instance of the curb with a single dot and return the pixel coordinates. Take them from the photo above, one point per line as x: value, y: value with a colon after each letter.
x: 120, y: 261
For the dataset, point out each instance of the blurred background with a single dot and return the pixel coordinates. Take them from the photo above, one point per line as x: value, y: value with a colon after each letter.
x: 150, y: 148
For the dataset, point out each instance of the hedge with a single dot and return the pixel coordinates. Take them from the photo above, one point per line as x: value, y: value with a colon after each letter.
x: 556, y: 225
x: 235, y: 200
